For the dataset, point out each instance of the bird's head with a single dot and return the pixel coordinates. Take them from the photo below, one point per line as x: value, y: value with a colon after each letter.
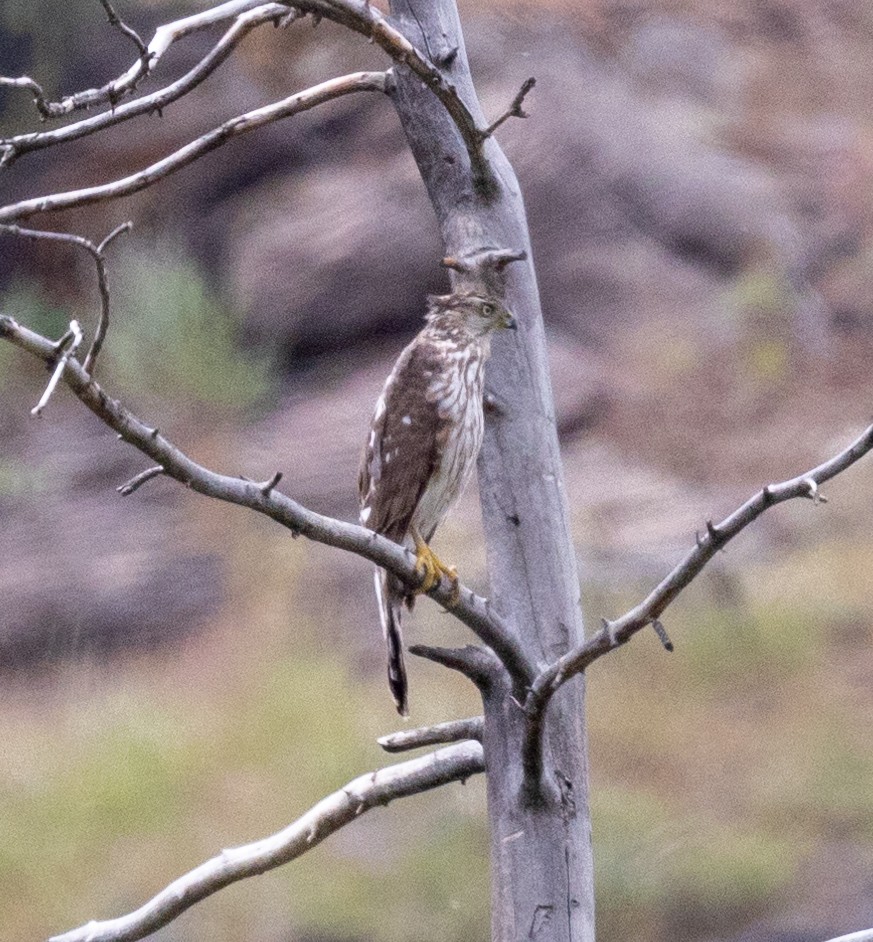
x: 480, y: 314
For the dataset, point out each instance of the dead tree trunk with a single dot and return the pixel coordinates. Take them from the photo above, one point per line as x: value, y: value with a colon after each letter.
x: 541, y: 861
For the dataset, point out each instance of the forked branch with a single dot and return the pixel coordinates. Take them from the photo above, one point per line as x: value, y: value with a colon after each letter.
x: 358, y: 15
x: 149, y: 57
x: 707, y: 544
x: 14, y: 147
x: 452, y: 764
x: 474, y: 611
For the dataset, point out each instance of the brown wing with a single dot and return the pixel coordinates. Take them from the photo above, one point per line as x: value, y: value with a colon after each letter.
x: 404, y: 445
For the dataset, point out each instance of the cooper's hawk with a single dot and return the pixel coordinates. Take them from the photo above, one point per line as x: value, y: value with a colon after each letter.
x: 426, y: 433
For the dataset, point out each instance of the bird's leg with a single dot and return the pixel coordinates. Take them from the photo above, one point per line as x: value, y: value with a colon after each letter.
x: 431, y: 568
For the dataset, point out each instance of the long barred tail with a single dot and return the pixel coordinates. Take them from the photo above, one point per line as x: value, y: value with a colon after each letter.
x: 389, y: 592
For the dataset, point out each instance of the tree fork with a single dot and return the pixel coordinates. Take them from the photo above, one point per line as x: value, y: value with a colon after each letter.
x: 541, y: 859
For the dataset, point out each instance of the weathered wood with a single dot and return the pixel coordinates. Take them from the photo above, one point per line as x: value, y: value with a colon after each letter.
x: 542, y: 886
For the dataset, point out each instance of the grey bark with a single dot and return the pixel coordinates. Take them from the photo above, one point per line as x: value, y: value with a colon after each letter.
x: 541, y: 861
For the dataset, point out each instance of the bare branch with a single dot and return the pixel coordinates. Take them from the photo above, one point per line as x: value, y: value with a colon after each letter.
x: 357, y: 15
x: 452, y: 764
x: 621, y: 630
x: 513, y: 111
x: 242, y: 124
x: 97, y: 252
x: 23, y: 143
x: 475, y: 612
x: 135, y: 483
x: 453, y: 731
x: 164, y: 37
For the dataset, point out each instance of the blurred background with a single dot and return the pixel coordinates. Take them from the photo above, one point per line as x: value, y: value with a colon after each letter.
x: 178, y: 676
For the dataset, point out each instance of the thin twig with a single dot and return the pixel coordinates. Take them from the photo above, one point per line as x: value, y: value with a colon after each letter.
x: 268, y: 486
x: 453, y: 731
x: 21, y: 144
x: 513, y: 111
x: 103, y: 282
x: 373, y: 790
x: 66, y: 347
x: 475, y: 612
x: 97, y: 253
x: 621, y: 630
x: 242, y: 124
x: 663, y: 637
x: 116, y: 21
x: 135, y: 483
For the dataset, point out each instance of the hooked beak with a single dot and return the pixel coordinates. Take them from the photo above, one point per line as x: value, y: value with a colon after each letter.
x: 509, y: 322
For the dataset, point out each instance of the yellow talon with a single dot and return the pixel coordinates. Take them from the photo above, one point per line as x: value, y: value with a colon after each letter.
x: 432, y: 569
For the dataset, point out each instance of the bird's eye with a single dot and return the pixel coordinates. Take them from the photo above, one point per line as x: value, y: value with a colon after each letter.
x: 488, y: 309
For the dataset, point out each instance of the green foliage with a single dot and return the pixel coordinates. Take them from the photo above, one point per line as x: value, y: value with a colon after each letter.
x: 172, y: 337
x: 763, y: 302
x: 721, y: 768
x: 653, y: 857
x: 17, y: 478
x: 33, y: 308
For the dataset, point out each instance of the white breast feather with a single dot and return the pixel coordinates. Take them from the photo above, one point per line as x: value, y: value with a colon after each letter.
x: 449, y: 392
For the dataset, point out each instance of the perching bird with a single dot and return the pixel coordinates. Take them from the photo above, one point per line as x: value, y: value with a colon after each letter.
x: 425, y: 437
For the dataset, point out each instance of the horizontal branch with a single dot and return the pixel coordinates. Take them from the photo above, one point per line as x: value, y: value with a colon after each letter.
x: 14, y: 147
x: 452, y: 764
x: 453, y: 731
x: 242, y: 124
x: 618, y: 632
x: 475, y: 612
